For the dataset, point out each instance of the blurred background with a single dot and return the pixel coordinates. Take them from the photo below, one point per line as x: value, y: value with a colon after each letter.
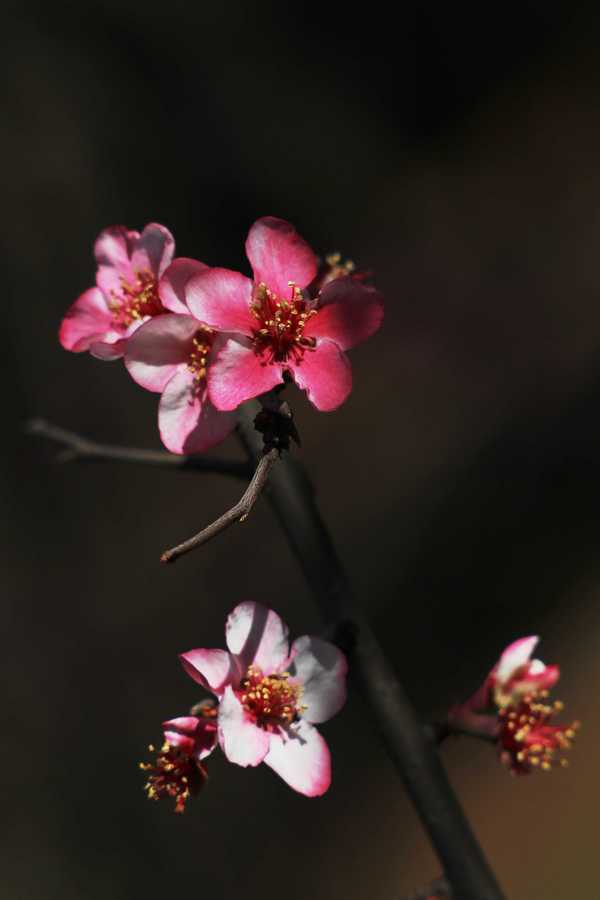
x: 455, y: 153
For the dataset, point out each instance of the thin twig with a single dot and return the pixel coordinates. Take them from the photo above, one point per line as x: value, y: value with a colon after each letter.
x: 412, y: 750
x: 237, y: 513
x: 437, y: 890
x: 77, y: 448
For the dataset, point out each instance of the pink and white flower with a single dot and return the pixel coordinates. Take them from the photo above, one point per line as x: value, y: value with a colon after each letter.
x: 276, y: 328
x: 271, y: 697
x: 171, y: 354
x: 178, y: 770
x: 126, y: 294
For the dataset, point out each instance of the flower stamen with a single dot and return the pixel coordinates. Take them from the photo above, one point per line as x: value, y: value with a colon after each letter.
x: 175, y: 773
x: 280, y: 331
x: 526, y: 739
x: 135, y: 301
x: 272, y: 700
x: 198, y: 357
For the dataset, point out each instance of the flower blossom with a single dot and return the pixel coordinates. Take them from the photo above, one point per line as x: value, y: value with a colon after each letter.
x: 276, y: 328
x: 271, y: 696
x: 171, y: 354
x: 178, y: 771
x: 126, y: 294
x: 511, y: 708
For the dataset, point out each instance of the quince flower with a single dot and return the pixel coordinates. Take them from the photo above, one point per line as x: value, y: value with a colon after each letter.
x: 276, y: 328
x: 178, y: 771
x: 511, y: 708
x: 171, y: 354
x: 271, y: 696
x: 126, y: 293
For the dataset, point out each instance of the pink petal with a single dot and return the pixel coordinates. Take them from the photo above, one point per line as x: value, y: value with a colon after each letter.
x: 321, y: 669
x: 158, y: 348
x: 206, y: 738
x: 154, y: 249
x: 86, y: 321
x: 279, y: 255
x: 187, y: 420
x: 108, y: 351
x: 237, y: 373
x: 516, y: 655
x: 171, y: 287
x: 242, y: 742
x: 221, y: 299
x: 192, y: 735
x: 348, y: 312
x: 213, y: 669
x: 302, y: 759
x: 184, y: 725
x: 536, y: 677
x: 114, y: 247
x: 325, y: 375
x: 257, y: 635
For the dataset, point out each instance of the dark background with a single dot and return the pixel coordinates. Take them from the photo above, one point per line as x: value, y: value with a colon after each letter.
x: 456, y: 153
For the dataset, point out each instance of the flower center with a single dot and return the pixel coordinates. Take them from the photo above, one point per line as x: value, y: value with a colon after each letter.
x: 270, y: 699
x: 526, y: 738
x: 280, y: 331
x: 135, y: 301
x: 175, y: 773
x: 198, y: 357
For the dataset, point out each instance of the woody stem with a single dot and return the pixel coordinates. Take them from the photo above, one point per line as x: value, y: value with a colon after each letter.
x: 411, y: 748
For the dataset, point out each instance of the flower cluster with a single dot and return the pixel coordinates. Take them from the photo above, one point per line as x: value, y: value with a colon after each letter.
x: 512, y: 708
x: 207, y: 339
x: 268, y: 698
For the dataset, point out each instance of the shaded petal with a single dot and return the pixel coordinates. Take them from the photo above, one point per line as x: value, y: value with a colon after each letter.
x: 537, y: 677
x: 86, y: 321
x: 325, y: 374
x: 213, y: 669
x: 154, y: 249
x: 187, y: 420
x: 237, y: 373
x: 171, y: 287
x: 158, y: 348
x: 348, y: 312
x: 321, y: 669
x: 516, y: 655
x: 302, y: 759
x: 108, y: 351
x: 242, y: 742
x: 192, y: 735
x: 257, y: 635
x: 221, y: 299
x: 279, y: 255
x: 114, y: 247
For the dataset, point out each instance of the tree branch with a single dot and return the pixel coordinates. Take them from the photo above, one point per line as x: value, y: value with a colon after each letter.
x: 237, y: 513
x: 77, y: 448
x: 411, y: 748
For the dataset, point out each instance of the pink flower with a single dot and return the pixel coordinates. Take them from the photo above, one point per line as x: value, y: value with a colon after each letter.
x: 526, y: 740
x: 171, y: 355
x: 511, y: 708
x: 126, y: 292
x: 275, y: 327
x: 271, y: 697
x: 178, y: 771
